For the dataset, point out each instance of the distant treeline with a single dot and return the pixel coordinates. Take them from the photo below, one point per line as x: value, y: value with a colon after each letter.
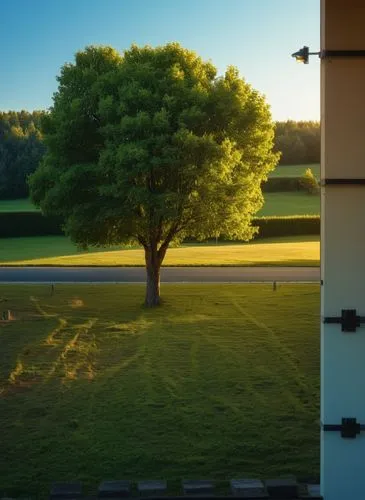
x: 21, y: 147
x: 299, y: 142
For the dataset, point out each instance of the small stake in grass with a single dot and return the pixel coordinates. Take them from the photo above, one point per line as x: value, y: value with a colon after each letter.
x: 7, y: 316
x: 274, y: 286
x: 52, y: 289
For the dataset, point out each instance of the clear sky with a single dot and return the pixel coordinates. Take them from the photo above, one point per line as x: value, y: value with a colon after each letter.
x: 38, y: 36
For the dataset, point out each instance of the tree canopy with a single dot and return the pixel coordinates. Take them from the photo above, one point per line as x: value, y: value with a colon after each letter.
x: 150, y: 147
x: 22, y: 147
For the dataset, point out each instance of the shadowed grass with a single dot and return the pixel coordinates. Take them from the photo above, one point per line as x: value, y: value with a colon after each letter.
x: 221, y: 381
x: 26, y: 249
x: 20, y: 205
x: 59, y: 251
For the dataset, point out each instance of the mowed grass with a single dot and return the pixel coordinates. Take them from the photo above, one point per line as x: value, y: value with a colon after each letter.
x: 59, y: 251
x: 295, y: 170
x: 20, y: 205
x: 219, y: 382
x: 275, y: 204
x: 290, y: 203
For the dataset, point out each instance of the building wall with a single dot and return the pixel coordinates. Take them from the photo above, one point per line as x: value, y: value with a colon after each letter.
x: 342, y: 246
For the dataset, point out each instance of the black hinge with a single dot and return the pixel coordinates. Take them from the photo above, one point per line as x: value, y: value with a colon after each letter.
x: 348, y: 320
x: 349, y: 428
x: 345, y: 182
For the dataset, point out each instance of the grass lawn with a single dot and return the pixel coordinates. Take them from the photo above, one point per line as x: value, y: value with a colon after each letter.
x: 21, y: 205
x: 59, y: 251
x: 290, y: 203
x: 219, y: 382
x: 295, y: 170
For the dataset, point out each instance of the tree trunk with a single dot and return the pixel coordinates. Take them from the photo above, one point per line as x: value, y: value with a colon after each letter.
x: 153, y: 265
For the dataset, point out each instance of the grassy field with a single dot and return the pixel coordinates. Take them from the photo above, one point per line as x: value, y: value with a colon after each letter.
x: 289, y: 203
x: 59, y: 251
x: 219, y: 382
x: 298, y: 203
x: 22, y: 205
x: 295, y: 170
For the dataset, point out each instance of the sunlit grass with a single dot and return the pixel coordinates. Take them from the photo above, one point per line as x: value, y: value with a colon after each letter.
x: 219, y: 382
x: 58, y: 251
x: 290, y: 203
x: 295, y: 170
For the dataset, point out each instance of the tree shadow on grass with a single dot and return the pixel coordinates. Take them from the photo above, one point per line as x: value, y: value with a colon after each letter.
x: 19, y: 249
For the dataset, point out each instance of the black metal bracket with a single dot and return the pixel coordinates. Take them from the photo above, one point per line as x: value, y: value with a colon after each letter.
x: 349, y: 428
x: 341, y: 53
x: 346, y: 182
x: 348, y: 320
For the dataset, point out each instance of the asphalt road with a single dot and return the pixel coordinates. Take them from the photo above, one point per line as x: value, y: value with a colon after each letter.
x: 168, y: 274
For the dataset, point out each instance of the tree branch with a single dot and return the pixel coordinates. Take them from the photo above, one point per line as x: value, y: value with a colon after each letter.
x: 142, y: 241
x: 159, y: 229
x: 164, y: 246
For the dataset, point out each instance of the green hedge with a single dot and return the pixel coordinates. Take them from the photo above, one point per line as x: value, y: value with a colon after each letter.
x: 272, y: 227
x: 281, y: 184
x: 14, y: 224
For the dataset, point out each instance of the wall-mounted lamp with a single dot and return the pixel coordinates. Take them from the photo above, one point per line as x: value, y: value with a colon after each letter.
x: 303, y: 54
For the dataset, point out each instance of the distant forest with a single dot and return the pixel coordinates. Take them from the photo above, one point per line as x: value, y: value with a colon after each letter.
x: 299, y: 142
x: 22, y: 148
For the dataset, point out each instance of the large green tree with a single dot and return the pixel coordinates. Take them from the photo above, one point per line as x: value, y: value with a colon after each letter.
x: 151, y: 147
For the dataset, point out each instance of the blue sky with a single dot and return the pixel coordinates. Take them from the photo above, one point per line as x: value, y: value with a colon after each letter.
x: 38, y: 36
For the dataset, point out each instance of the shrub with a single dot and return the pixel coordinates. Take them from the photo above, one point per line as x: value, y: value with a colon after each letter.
x: 309, y: 183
